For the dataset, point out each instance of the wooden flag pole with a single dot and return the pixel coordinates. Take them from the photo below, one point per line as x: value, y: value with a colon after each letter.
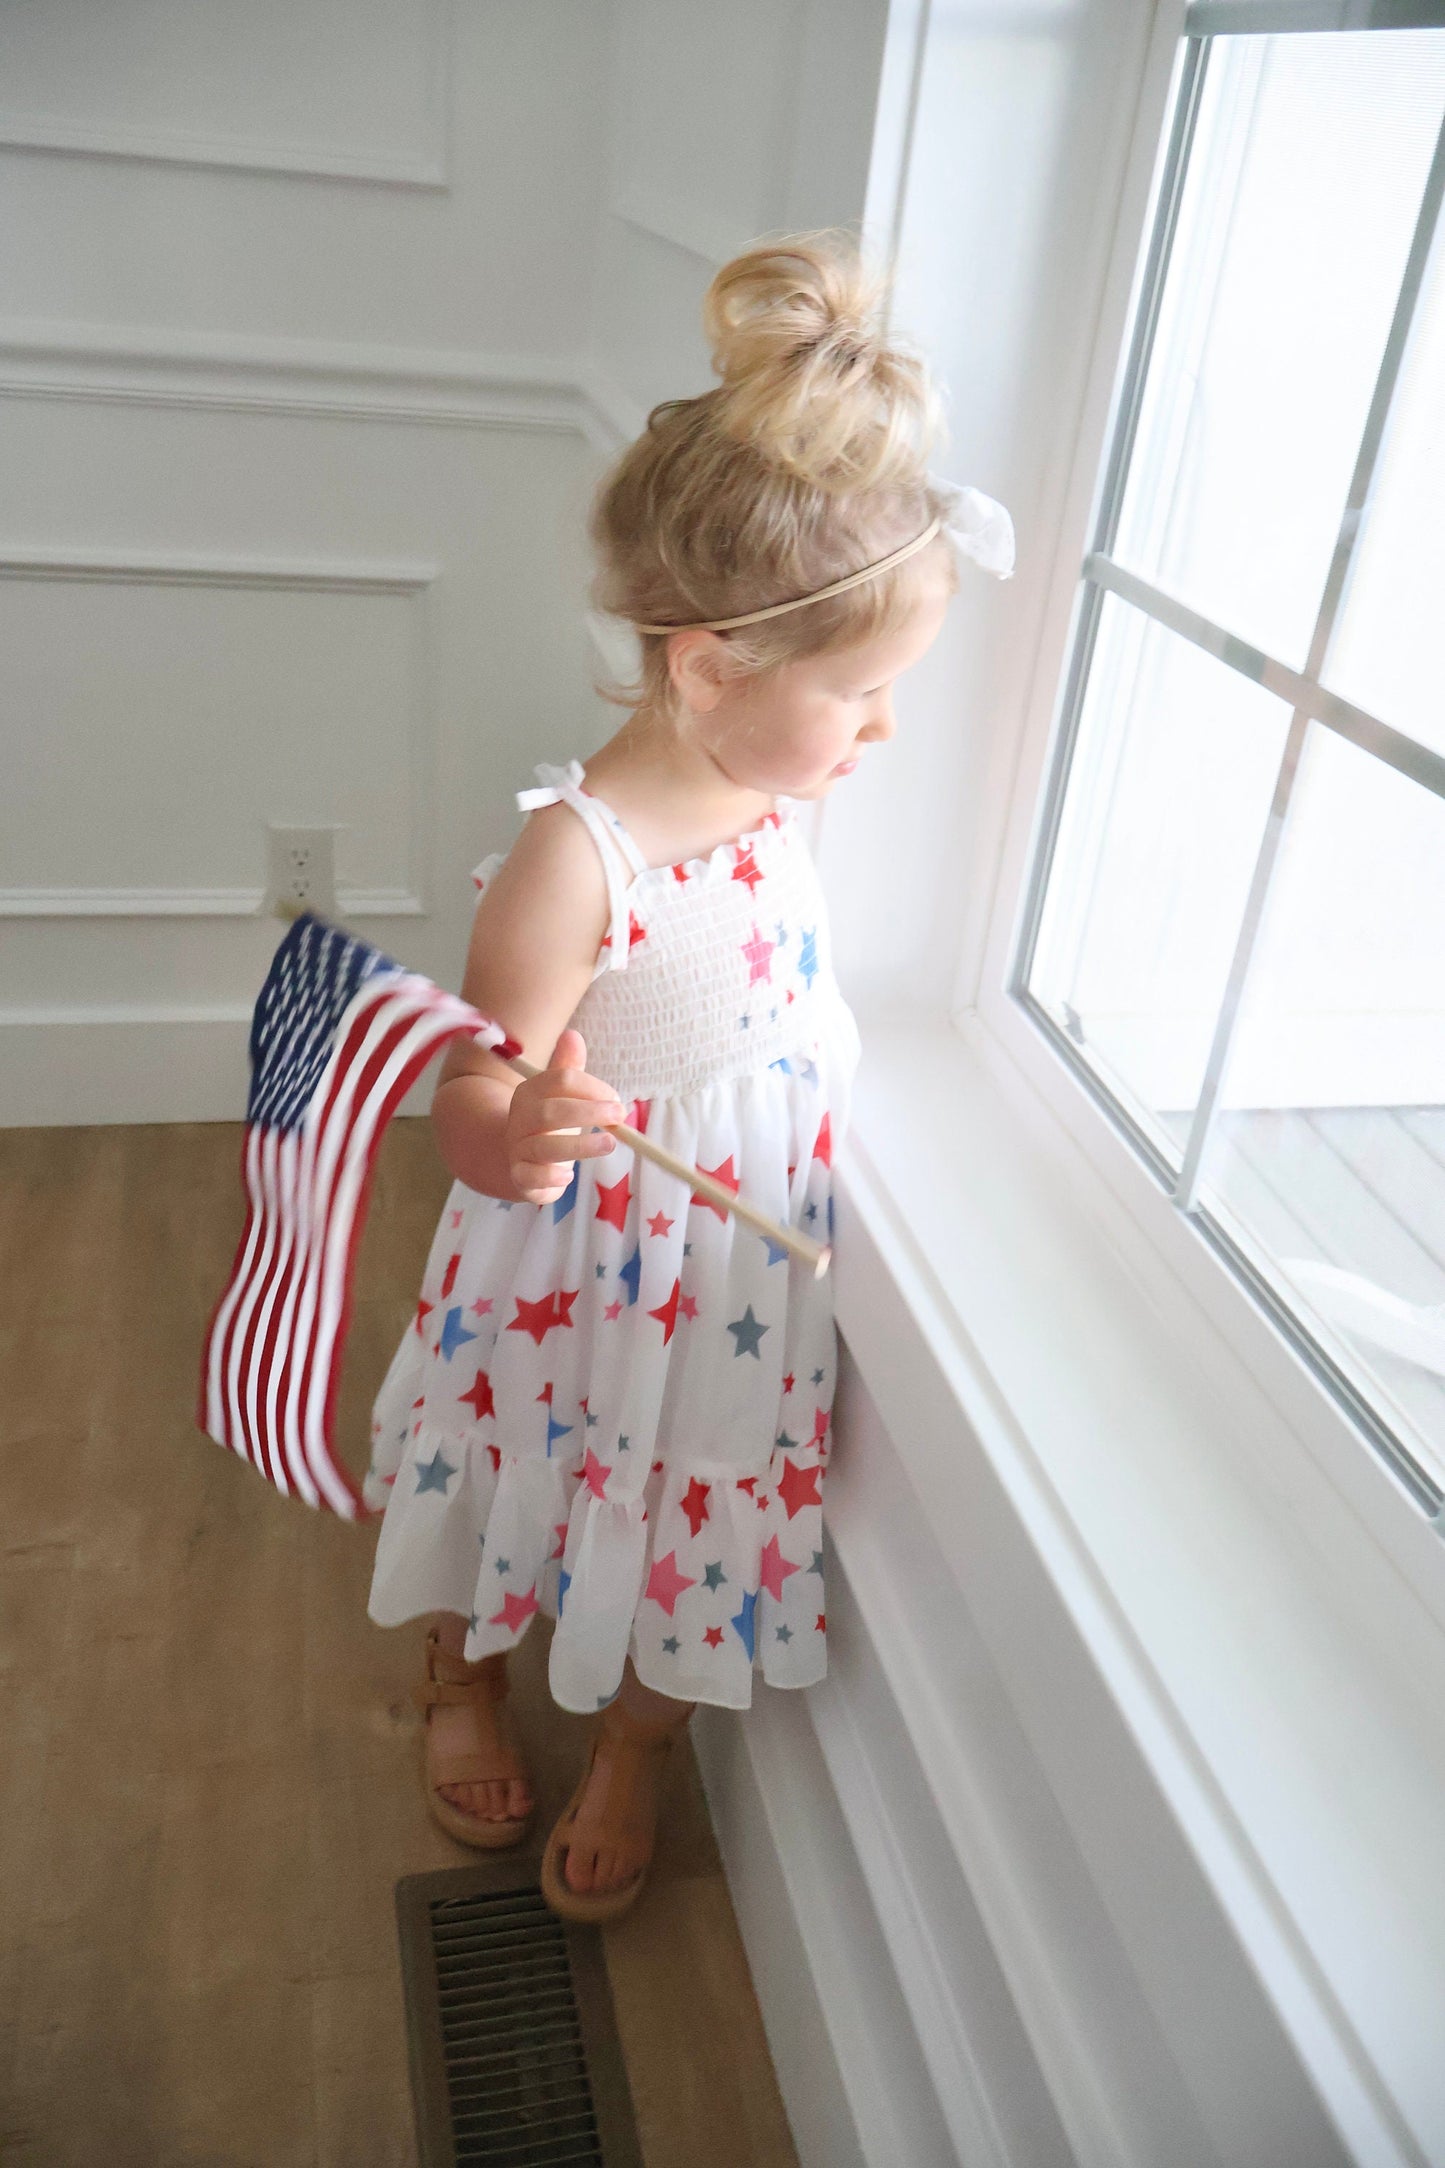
x: 817, y: 1254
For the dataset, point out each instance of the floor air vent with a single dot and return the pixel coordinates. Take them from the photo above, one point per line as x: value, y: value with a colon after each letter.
x: 515, y: 2060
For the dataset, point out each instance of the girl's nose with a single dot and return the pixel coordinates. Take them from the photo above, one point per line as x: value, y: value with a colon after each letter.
x: 882, y: 722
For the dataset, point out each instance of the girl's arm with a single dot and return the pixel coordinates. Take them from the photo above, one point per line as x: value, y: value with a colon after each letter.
x: 533, y: 950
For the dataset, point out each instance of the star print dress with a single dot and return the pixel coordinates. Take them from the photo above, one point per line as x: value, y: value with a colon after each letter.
x: 614, y: 1408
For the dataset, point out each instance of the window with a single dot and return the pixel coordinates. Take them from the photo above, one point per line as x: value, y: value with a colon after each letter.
x: 1234, y: 932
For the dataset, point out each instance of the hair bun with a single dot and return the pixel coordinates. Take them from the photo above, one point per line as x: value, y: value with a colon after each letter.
x: 809, y: 377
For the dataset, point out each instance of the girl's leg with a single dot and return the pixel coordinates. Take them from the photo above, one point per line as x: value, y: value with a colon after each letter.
x: 467, y: 1728
x: 617, y: 1816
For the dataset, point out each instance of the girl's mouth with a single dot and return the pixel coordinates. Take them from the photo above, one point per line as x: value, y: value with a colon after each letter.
x: 845, y: 767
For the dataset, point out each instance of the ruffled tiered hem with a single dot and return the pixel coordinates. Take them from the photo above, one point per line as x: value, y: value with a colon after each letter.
x: 704, y: 1577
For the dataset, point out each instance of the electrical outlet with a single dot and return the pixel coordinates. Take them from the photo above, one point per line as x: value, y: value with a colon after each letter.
x: 301, y: 869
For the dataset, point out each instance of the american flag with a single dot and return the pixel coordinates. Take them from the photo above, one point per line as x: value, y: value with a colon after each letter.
x: 339, y: 1035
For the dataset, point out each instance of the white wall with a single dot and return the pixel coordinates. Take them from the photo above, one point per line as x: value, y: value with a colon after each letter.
x: 295, y: 457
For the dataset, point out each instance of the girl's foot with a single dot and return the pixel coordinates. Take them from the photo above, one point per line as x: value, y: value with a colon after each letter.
x: 484, y: 1727
x: 612, y: 1837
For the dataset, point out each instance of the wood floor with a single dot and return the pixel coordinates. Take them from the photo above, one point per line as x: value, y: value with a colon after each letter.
x: 209, y: 1771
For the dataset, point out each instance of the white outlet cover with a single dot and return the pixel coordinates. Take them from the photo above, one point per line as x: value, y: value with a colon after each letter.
x: 301, y: 869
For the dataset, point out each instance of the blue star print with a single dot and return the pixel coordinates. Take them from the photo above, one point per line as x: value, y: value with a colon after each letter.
x: 434, y: 1474
x: 556, y: 1430
x: 713, y: 1575
x: 568, y: 1198
x: 631, y: 1273
x: 749, y: 1333
x: 743, y: 1620
x: 564, y: 1582
x: 808, y: 960
x: 454, y: 1333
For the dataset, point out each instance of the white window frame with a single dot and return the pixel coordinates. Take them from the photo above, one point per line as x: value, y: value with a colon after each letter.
x: 993, y: 1017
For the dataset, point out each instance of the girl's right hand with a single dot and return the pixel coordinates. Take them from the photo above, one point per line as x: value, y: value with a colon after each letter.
x: 561, y: 1097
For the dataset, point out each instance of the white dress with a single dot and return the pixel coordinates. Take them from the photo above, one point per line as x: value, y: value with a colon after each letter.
x: 615, y: 1408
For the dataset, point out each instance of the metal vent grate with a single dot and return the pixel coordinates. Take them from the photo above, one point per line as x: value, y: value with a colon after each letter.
x: 515, y: 2060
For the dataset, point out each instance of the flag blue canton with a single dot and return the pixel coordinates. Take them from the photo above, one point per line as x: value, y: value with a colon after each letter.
x: 312, y: 982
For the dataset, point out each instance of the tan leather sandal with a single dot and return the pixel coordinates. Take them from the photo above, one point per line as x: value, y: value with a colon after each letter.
x: 620, y: 1740
x: 450, y: 1679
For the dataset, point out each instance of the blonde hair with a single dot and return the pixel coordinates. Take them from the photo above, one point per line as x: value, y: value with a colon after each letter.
x: 807, y: 461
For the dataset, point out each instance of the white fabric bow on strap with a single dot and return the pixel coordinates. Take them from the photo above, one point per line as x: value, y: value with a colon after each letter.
x: 977, y: 525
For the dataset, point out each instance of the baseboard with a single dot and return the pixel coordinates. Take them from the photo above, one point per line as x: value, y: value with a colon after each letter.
x: 79, y: 1067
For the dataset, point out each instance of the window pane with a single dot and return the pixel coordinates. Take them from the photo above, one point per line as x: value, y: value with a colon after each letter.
x: 1165, y: 808
x: 1387, y: 654
x: 1327, y: 1159
x: 1304, y: 184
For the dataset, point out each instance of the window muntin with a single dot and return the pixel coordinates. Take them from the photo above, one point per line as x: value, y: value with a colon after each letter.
x: 1271, y: 525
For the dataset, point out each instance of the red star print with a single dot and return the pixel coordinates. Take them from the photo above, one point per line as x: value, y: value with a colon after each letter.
x: 420, y: 1401
x: 537, y: 1318
x: 820, y: 1428
x: 679, y: 873
x: 791, y: 995
x: 546, y: 1393
x: 746, y: 868
x: 694, y: 1504
x: 658, y: 1224
x: 422, y: 1311
x: 668, y: 1312
x: 449, y: 1277
x: 516, y: 1610
x: 480, y: 1396
x: 823, y: 1149
x: 494, y: 1455
x: 729, y: 1180
x: 595, y: 1473
x: 761, y: 1501
x: 560, y: 1532
x: 789, y: 1382
x: 641, y: 1108
x: 820, y: 1628
x: 481, y: 1308
x: 657, y: 1467
x: 688, y: 1305
x: 713, y: 1636
x: 798, y: 1487
x: 612, y: 1312
x: 635, y: 933
x: 773, y: 1568
x: 665, y: 1584
x: 456, y: 1216
x: 758, y: 950
x: 564, y: 1298
x: 746, y: 1482
x: 613, y: 1198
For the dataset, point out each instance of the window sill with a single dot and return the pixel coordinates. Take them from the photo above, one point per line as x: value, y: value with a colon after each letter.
x: 1283, y: 1685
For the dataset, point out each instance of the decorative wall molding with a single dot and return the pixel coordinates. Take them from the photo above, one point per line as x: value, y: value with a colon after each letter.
x: 191, y: 903
x: 683, y: 220
x: 327, y: 379
x: 194, y: 569
x: 425, y: 168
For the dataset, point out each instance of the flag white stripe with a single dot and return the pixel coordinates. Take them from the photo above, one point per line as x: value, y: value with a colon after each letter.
x: 318, y: 1154
x: 216, y: 1411
x: 426, y: 1029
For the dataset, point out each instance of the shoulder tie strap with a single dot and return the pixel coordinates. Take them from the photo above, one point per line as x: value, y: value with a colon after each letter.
x: 566, y: 784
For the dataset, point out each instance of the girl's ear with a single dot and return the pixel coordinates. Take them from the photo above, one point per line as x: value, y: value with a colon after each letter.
x: 697, y: 663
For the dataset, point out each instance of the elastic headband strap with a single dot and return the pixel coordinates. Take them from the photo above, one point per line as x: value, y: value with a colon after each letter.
x: 854, y: 579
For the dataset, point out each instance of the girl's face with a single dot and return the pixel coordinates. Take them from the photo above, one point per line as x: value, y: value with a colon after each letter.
x: 796, y: 731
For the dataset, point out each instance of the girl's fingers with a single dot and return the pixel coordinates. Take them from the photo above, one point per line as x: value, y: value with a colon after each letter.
x: 575, y: 1114
x: 552, y: 1149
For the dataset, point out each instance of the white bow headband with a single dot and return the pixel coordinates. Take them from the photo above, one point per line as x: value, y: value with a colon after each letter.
x: 977, y: 525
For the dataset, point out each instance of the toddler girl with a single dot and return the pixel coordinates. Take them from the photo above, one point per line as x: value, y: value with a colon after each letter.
x: 613, y: 1405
